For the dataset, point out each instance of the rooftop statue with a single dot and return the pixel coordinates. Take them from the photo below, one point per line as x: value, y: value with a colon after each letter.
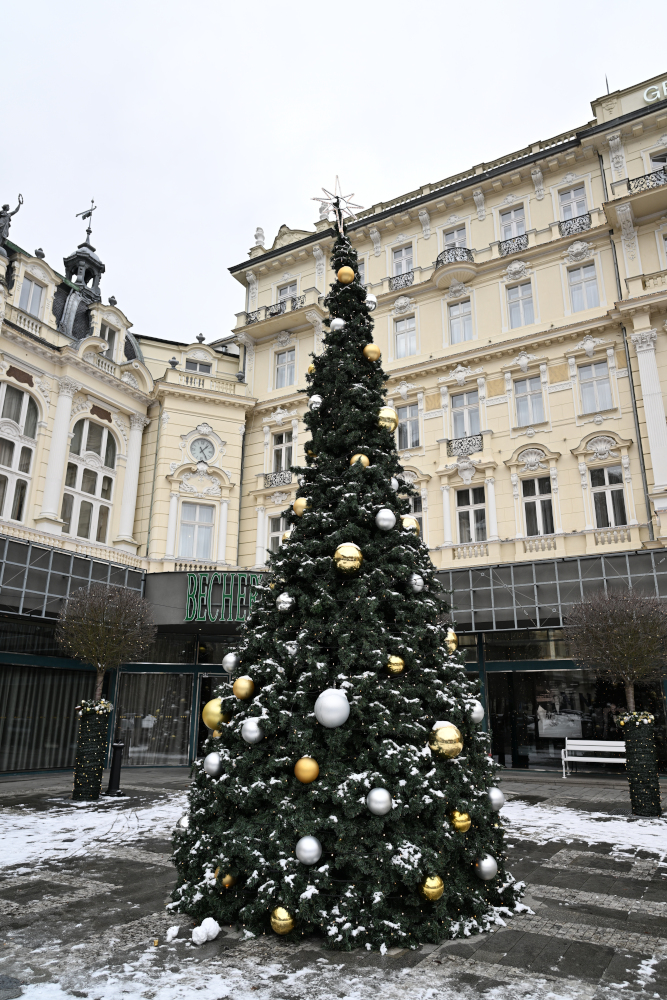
x: 5, y: 223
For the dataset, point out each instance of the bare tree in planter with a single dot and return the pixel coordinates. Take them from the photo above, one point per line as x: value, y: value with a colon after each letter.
x: 621, y: 635
x: 104, y: 626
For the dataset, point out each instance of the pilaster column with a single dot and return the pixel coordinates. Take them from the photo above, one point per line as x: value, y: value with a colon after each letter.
x: 129, y: 502
x: 222, y: 533
x: 58, y: 451
x: 446, y: 516
x: 654, y: 408
x: 491, y: 508
x: 170, y: 551
x: 260, y: 543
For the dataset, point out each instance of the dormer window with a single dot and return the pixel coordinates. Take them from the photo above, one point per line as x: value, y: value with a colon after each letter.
x: 31, y: 297
x: 109, y: 334
x: 198, y: 366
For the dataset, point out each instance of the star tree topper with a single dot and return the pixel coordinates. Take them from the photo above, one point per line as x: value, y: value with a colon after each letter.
x: 338, y: 202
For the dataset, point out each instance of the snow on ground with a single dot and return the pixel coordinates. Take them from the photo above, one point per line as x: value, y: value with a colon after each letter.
x: 543, y: 824
x: 75, y: 829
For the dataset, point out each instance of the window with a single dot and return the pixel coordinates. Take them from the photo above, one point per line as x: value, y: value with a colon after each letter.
x: 21, y: 408
x: 20, y: 491
x: 460, y: 322
x: 529, y: 407
x: 583, y: 288
x: 608, y: 496
x: 512, y: 223
x: 97, y: 439
x: 403, y: 260
x: 15, y: 456
x: 109, y: 334
x: 85, y: 519
x: 465, y: 414
x: 4, y: 483
x: 361, y: 268
x: 406, y: 337
x: 520, y: 305
x: 408, y: 427
x: 31, y: 297
x: 284, y: 368
x: 417, y: 511
x: 287, y: 291
x: 471, y: 514
x: 537, y: 505
x: 572, y: 202
x: 102, y: 525
x: 277, y: 526
x: 196, y: 531
x: 456, y: 238
x: 658, y: 161
x: 595, y: 388
x: 66, y: 513
x: 282, y: 451
x: 204, y: 368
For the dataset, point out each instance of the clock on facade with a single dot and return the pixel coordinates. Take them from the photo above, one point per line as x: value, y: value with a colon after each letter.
x: 202, y: 450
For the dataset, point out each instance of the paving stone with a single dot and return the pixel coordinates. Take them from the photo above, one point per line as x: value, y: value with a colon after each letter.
x: 588, y: 961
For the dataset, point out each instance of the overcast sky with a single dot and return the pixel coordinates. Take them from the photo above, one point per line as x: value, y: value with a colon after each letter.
x: 192, y: 123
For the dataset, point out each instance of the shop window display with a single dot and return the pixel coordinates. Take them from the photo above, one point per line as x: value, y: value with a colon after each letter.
x: 153, y: 718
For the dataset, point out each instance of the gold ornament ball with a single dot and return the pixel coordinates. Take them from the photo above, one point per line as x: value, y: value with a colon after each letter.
x: 212, y: 714
x: 227, y: 880
x: 395, y: 665
x: 286, y: 535
x: 410, y: 523
x: 345, y: 275
x: 362, y: 459
x: 446, y: 741
x: 452, y: 640
x: 348, y: 558
x: 311, y: 369
x: 299, y: 506
x: 372, y: 352
x: 243, y: 688
x: 282, y: 921
x: 388, y: 417
x: 432, y: 887
x: 460, y: 821
x: 306, y: 770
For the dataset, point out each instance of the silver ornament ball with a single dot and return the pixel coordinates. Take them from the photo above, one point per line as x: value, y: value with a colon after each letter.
x: 371, y: 301
x: 416, y: 583
x: 385, y: 519
x: 496, y: 798
x: 486, y: 868
x: 314, y: 402
x: 291, y: 647
x: 251, y: 731
x: 332, y: 708
x: 231, y: 662
x: 477, y: 711
x: 337, y: 324
x: 184, y: 822
x: 213, y: 764
x: 394, y: 483
x: 284, y: 602
x: 308, y: 850
x: 379, y: 801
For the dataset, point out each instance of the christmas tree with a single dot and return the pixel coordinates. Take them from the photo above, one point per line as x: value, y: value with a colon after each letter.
x: 352, y: 793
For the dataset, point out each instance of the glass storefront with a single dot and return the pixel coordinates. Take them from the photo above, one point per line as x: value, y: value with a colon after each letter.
x: 209, y: 687
x: 153, y: 718
x: 532, y: 712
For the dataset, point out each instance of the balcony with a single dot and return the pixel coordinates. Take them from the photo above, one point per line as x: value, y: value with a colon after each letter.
x: 570, y: 227
x: 515, y: 245
x: 471, y: 550
x: 272, y: 479
x: 279, y: 309
x: 540, y: 543
x: 653, y: 180
x: 401, y: 281
x: 454, y: 264
x: 206, y: 383
x: 465, y: 446
x: 612, y: 536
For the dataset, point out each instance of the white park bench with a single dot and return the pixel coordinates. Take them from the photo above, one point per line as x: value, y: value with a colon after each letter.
x: 575, y: 747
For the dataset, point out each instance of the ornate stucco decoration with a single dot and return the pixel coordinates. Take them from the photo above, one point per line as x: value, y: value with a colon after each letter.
x: 251, y: 278
x: 376, y: 239
x: 628, y: 231
x: 279, y: 415
x: 249, y: 344
x: 285, y: 338
x: 199, y: 355
x: 602, y: 448
x: 616, y: 153
x: 200, y: 482
x: 533, y: 459
x: 403, y: 389
x: 460, y: 374
x: 315, y: 321
x: 457, y: 290
x: 538, y: 181
x: 466, y: 469
x: 589, y: 344
x: 279, y: 498
x: 478, y: 196
x: 578, y: 251
x: 38, y: 272
x: 318, y: 254
x: 523, y: 359
x: 129, y: 379
x: 515, y: 270
x: 425, y: 220
x: 402, y: 305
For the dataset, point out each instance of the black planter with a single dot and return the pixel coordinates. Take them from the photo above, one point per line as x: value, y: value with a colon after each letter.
x: 91, y: 750
x: 642, y: 768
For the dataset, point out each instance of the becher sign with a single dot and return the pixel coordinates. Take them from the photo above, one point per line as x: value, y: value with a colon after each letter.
x: 221, y: 597
x: 656, y: 92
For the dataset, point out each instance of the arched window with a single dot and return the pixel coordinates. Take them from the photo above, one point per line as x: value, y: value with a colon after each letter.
x: 89, y: 482
x: 18, y: 430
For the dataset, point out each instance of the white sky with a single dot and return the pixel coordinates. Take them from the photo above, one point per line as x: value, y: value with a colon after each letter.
x: 191, y: 123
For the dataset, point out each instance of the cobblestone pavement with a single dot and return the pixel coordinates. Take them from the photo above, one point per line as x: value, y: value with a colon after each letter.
x: 95, y: 925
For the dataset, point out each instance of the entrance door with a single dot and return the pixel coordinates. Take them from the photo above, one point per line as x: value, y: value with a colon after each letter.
x: 211, y: 686
x: 153, y: 718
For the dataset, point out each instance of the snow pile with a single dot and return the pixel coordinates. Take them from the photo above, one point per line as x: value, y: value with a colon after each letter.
x: 208, y: 930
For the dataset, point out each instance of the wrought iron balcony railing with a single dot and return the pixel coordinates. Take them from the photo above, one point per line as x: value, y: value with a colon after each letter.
x: 277, y: 478
x: 465, y: 446
x: 570, y: 227
x: 298, y: 302
x: 515, y: 245
x: 252, y: 317
x: 653, y: 180
x: 401, y: 280
x: 277, y: 309
x: 451, y: 255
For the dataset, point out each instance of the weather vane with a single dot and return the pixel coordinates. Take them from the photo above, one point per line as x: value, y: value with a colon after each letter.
x: 88, y: 214
x: 338, y: 202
